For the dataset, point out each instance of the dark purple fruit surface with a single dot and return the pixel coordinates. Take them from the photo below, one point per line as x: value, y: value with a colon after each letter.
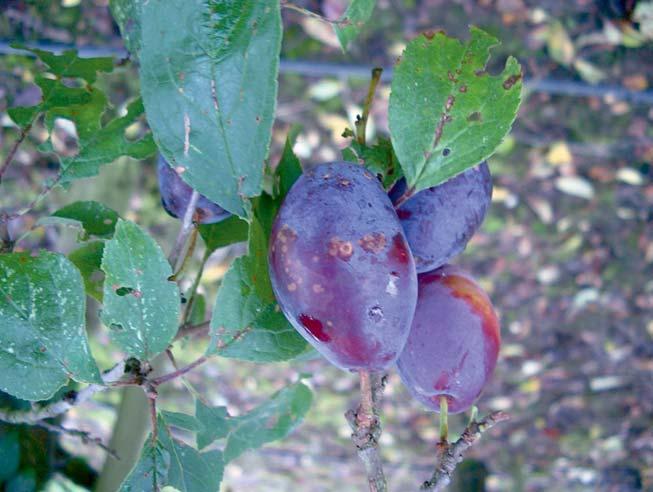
x: 454, y: 341
x: 341, y: 268
x: 175, y: 195
x: 439, y: 221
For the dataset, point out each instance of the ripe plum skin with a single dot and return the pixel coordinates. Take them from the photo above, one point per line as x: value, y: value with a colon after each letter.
x: 454, y: 341
x: 175, y: 195
x: 440, y: 220
x: 341, y: 268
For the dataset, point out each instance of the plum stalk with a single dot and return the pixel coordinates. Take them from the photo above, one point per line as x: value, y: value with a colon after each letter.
x: 366, y: 427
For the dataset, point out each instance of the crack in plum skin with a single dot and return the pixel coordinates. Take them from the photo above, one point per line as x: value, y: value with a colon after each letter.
x: 341, y: 268
x: 176, y: 194
x: 454, y: 341
x: 440, y: 220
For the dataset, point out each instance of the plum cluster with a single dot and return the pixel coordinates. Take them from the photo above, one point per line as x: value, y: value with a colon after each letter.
x: 367, y: 282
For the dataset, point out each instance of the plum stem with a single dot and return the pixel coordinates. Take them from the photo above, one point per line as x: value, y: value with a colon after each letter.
x: 366, y: 427
x: 184, y: 231
x: 403, y: 198
x: 187, y: 256
x: 361, y: 121
x: 450, y: 454
x: 444, y: 419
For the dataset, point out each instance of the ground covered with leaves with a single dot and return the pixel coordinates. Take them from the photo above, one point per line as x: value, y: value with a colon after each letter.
x: 566, y: 251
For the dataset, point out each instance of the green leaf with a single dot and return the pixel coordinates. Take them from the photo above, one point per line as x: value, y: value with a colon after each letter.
x: 247, y: 323
x: 446, y: 113
x: 210, y: 94
x: 215, y: 422
x: 190, y: 470
x: 141, y: 306
x: 270, y: 421
x: 229, y: 231
x: 355, y: 17
x: 151, y: 471
x: 379, y: 159
x: 288, y: 170
x: 9, y: 454
x: 127, y: 14
x: 101, y: 144
x: 43, y: 339
x: 88, y: 260
x: 182, y: 421
x: 54, y: 92
x: 69, y: 65
x: 95, y: 218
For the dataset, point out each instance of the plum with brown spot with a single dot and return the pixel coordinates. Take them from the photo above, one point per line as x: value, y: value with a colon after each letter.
x: 176, y: 194
x: 454, y: 341
x: 341, y: 269
x: 440, y: 221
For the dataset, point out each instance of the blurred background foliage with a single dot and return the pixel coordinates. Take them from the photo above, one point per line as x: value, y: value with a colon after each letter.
x: 566, y: 252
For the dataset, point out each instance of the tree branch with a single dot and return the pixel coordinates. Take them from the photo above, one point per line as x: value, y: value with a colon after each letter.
x: 14, y: 149
x: 178, y: 373
x: 83, y: 435
x: 62, y: 406
x: 450, y: 454
x: 366, y: 428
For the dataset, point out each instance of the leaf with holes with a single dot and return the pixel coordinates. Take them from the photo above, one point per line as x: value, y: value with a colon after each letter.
x: 446, y: 112
x: 54, y: 93
x: 141, y: 306
x: 100, y: 143
x: 43, y: 315
x: 355, y: 17
x: 209, y: 80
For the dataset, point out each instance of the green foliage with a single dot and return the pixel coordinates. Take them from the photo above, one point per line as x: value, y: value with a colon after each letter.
x: 379, y: 158
x: 446, y: 113
x: 355, y: 17
x: 88, y: 260
x: 42, y: 312
x: 9, y: 454
x: 211, y: 103
x: 229, y: 231
x: 95, y: 218
x: 247, y: 323
x: 151, y: 471
x: 288, y: 170
x: 85, y: 106
x: 141, y: 306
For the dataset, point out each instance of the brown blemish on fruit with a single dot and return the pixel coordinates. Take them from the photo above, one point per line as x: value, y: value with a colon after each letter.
x: 292, y: 287
x: 316, y: 259
x: 341, y: 249
x: 399, y: 251
x: 318, y: 289
x: 373, y: 243
x: 344, y: 182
